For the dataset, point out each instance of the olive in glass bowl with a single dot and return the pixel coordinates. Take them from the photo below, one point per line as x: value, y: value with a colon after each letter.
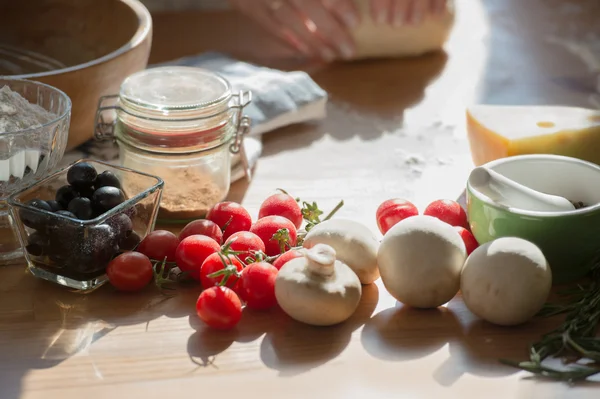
x: 74, y: 222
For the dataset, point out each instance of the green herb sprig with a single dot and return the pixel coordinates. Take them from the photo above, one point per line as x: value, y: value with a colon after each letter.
x: 576, y: 340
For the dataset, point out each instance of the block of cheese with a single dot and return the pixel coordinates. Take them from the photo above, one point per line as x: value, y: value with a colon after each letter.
x: 498, y: 131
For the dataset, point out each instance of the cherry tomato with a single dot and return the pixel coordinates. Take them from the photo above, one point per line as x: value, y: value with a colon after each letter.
x: 219, y: 308
x: 282, y: 205
x: 204, y: 227
x: 130, y: 271
x: 468, y: 238
x: 448, y: 211
x: 392, y: 211
x: 213, y: 264
x: 257, y: 286
x: 192, y: 252
x: 245, y: 242
x: 286, y: 257
x: 223, y: 212
x: 266, y: 227
x: 159, y: 244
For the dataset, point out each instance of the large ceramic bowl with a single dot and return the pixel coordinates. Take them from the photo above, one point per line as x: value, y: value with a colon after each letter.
x: 86, y: 48
x: 570, y: 240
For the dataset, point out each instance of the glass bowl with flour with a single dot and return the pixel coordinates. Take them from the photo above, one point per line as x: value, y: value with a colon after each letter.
x: 34, y: 127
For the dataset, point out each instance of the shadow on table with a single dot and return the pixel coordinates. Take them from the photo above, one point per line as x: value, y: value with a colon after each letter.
x: 288, y: 346
x: 206, y: 343
x: 402, y: 333
x: 48, y: 324
x: 293, y: 348
x: 367, y: 107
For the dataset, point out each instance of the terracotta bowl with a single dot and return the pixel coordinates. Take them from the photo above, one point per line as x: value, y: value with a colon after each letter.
x: 86, y: 48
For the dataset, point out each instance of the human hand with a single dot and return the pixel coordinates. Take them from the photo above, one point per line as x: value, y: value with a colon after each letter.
x: 405, y: 12
x: 315, y: 28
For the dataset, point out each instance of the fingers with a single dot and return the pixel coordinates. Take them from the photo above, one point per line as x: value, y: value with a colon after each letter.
x: 438, y: 7
x: 401, y: 12
x: 418, y: 11
x: 326, y: 28
x: 286, y: 15
x: 261, y: 14
x: 344, y: 10
x: 381, y: 11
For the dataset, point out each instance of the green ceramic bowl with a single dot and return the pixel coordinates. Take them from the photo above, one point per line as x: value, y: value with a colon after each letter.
x: 570, y: 240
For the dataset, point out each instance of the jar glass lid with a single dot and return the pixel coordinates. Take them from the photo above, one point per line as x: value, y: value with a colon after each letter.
x: 171, y: 89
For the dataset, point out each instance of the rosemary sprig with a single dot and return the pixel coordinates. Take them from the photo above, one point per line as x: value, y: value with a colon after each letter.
x: 575, y: 340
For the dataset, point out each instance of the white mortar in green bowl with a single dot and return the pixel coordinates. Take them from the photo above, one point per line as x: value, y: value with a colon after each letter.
x: 570, y: 240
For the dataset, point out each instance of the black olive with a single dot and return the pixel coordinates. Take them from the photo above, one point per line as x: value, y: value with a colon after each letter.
x: 121, y: 224
x: 65, y: 194
x: 106, y: 198
x: 34, y: 219
x: 82, y: 208
x: 107, y: 179
x: 130, y: 243
x: 87, y: 192
x: 93, y: 249
x: 37, y: 244
x: 82, y: 175
x: 67, y: 214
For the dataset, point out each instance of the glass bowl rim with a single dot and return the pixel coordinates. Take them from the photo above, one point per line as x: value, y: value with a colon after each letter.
x: 40, y: 84
x: 13, y: 202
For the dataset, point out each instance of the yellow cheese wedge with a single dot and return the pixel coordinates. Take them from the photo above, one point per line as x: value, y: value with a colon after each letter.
x: 497, y: 131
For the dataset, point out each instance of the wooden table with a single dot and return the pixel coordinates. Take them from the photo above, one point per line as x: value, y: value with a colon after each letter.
x: 395, y: 129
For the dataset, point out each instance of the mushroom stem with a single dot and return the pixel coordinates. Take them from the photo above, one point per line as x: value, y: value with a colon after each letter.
x: 321, y: 260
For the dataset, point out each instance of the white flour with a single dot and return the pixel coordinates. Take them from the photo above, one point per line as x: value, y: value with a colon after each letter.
x: 16, y: 113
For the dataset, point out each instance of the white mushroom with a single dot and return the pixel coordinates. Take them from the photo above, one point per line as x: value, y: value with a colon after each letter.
x: 317, y: 289
x: 506, y: 281
x: 420, y: 260
x: 354, y: 243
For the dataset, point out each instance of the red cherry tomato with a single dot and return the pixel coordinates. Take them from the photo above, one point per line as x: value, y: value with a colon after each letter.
x: 213, y: 264
x: 392, y: 211
x: 223, y: 212
x: 286, y: 257
x: 468, y: 238
x: 219, y: 308
x: 282, y: 205
x: 448, y: 211
x: 204, y: 227
x: 245, y: 242
x: 130, y: 271
x: 159, y: 244
x: 257, y: 286
x: 266, y: 227
x: 192, y: 252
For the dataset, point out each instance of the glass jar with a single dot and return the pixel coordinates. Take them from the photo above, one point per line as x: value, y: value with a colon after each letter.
x: 181, y: 124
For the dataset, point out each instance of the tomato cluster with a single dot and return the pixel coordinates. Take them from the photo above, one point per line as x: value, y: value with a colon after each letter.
x: 234, y: 259
x: 392, y: 211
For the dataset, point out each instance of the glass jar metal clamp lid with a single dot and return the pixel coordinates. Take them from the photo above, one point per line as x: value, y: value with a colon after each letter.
x: 175, y: 110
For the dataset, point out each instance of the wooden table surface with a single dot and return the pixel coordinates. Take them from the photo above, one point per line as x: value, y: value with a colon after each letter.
x: 395, y: 128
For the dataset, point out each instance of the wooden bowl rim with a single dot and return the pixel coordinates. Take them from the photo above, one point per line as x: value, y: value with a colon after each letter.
x: 144, y: 28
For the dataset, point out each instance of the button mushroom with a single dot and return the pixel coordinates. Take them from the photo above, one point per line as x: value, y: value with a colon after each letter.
x: 317, y: 289
x: 354, y: 244
x: 506, y: 281
x: 420, y: 260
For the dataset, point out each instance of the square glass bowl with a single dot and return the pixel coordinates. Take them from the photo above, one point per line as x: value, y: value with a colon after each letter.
x: 75, y: 253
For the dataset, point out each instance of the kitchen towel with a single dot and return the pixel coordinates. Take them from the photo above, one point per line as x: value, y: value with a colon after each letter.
x: 279, y: 99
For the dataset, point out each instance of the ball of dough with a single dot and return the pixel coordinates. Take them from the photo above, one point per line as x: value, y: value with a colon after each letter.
x: 420, y: 260
x: 506, y: 281
x: 379, y: 41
